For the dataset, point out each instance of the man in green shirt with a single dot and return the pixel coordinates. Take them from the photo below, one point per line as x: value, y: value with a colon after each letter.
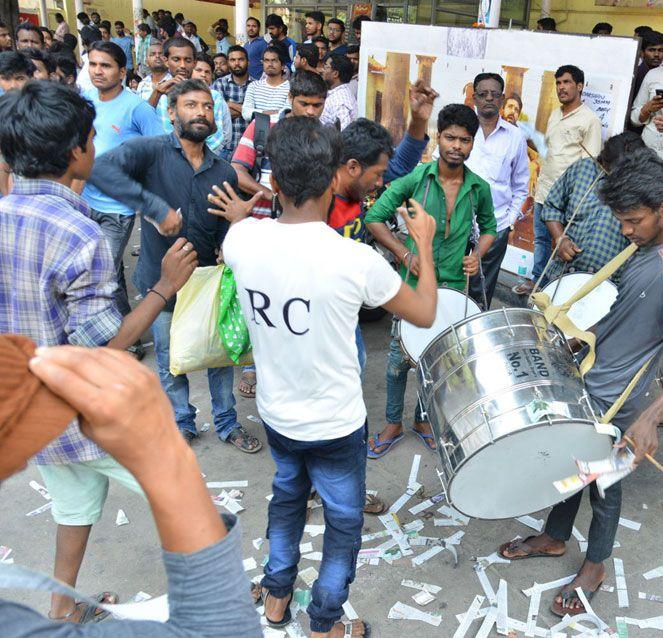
x: 454, y: 196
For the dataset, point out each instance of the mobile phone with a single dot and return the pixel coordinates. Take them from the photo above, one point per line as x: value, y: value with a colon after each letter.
x: 659, y: 92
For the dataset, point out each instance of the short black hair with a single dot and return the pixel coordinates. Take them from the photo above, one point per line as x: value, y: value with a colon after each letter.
x: 458, y: 115
x: 635, y: 180
x: 310, y: 53
x: 307, y: 84
x: 82, y: 16
x: 90, y: 36
x: 46, y: 30
x: 40, y: 125
x: 340, y: 23
x: 221, y: 54
x: 318, y: 16
x: 168, y: 25
x: 516, y: 98
x: 187, y: 86
x: 576, y: 73
x: 70, y: 41
x: 548, y: 24
x: 179, y: 16
x: 255, y: 20
x: 144, y: 27
x: 178, y: 43
x: 106, y: 24
x: 14, y: 63
x: 602, y: 26
x: 352, y: 48
x: 132, y: 75
x: 356, y: 23
x: 279, y: 50
x: 113, y: 50
x: 342, y: 65
x: 237, y: 48
x: 651, y: 39
x: 489, y: 76
x: 59, y: 17
x: 364, y: 141
x: 66, y: 63
x: 641, y: 30
x: 274, y: 20
x: 203, y: 57
x: 296, y: 144
x: 120, y: 23
x: 617, y: 146
x: 41, y: 56
x: 28, y: 26
x: 321, y: 38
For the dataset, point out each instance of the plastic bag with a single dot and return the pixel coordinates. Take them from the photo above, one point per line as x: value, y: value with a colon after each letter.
x: 195, y: 342
x: 232, y: 326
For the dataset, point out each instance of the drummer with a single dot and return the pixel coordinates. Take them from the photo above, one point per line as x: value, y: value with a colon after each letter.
x: 594, y: 237
x: 453, y: 194
x: 626, y: 339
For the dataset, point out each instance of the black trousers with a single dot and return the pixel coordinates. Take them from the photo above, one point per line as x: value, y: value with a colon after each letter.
x: 490, y: 265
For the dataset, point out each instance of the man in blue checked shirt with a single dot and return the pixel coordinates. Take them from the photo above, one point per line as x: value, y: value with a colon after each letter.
x: 594, y: 237
x: 180, y: 56
x: 57, y: 285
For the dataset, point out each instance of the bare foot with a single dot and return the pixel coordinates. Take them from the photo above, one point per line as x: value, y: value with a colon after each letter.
x: 275, y: 608
x: 541, y: 544
x: 589, y: 578
x: 338, y: 631
x: 390, y: 431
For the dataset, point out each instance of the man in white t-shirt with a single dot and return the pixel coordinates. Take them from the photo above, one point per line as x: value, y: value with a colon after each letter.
x: 301, y: 286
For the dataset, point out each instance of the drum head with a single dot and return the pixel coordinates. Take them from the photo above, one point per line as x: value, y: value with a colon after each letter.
x: 589, y: 310
x: 450, y: 310
x: 514, y: 476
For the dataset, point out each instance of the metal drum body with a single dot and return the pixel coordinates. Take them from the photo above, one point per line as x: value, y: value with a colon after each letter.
x: 509, y: 412
x: 589, y: 310
x: 451, y: 307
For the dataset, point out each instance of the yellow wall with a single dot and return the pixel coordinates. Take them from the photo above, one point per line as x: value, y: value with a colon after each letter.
x: 580, y: 16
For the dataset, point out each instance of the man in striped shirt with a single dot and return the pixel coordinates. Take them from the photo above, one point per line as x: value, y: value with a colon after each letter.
x: 268, y: 95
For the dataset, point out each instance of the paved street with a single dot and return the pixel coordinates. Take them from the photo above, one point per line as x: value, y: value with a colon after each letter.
x: 127, y: 559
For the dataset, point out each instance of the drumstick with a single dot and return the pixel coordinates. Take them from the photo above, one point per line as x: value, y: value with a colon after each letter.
x: 649, y: 457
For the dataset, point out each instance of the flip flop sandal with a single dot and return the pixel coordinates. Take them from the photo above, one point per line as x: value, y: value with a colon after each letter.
x: 256, y: 593
x: 522, y: 544
x: 251, y: 384
x: 425, y: 438
x: 389, y: 443
x: 347, y: 629
x: 240, y: 438
x: 287, y: 616
x: 374, y: 505
x: 559, y: 610
x: 93, y: 614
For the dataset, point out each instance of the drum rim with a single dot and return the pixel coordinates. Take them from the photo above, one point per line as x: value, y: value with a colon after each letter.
x: 579, y: 272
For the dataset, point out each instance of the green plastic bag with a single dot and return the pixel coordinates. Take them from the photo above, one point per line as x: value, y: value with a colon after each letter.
x: 232, y: 327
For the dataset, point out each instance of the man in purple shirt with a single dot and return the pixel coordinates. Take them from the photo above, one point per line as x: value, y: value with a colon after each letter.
x: 57, y: 285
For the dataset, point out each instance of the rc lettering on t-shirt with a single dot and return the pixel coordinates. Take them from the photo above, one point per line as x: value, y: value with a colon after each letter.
x: 301, y: 287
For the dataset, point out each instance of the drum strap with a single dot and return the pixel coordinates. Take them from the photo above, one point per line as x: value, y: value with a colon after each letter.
x: 617, y: 405
x: 557, y: 316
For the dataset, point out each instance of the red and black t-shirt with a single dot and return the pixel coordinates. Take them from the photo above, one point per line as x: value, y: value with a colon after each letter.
x: 347, y: 218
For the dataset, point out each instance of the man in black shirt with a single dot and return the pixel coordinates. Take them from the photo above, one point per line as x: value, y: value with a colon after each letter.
x: 168, y: 179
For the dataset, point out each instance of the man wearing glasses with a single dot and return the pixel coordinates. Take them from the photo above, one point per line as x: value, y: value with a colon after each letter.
x: 335, y: 33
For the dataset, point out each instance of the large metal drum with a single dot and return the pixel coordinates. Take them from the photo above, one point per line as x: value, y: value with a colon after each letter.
x: 509, y: 412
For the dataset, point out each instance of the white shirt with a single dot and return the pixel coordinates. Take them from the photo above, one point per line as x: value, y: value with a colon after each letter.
x: 501, y: 159
x: 83, y: 78
x: 301, y: 287
x: 261, y: 96
x: 195, y: 40
x: 341, y: 105
x: 650, y: 136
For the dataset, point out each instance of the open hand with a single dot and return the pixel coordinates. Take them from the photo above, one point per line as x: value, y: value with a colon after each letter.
x: 230, y: 205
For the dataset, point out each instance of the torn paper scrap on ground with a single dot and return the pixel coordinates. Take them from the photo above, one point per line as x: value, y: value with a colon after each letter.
x: 413, y: 584
x: 249, y: 564
x: 121, y: 518
x: 423, y: 598
x: 349, y: 611
x: 257, y: 542
x: 224, y: 500
x: 4, y: 555
x: 313, y: 556
x: 226, y: 484
x: 40, y: 510
x: 620, y: 582
x: 309, y: 575
x: 152, y: 609
x: 41, y: 489
x: 427, y: 503
x: 641, y: 595
x: 470, y: 616
x: 205, y: 427
x: 454, y: 514
x: 630, y: 524
x: 530, y: 521
x: 140, y: 597
x: 657, y: 572
x: 314, y: 530
x: 487, y: 561
x: 401, y: 611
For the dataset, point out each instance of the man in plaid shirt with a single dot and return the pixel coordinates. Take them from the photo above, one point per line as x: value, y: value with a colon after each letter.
x: 233, y: 89
x: 594, y: 237
x: 57, y: 284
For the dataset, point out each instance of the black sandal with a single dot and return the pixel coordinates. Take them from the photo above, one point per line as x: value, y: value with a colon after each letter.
x: 244, y: 440
x: 287, y: 615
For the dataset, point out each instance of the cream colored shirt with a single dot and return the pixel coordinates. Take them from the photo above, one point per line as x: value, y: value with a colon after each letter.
x: 650, y: 136
x: 563, y: 138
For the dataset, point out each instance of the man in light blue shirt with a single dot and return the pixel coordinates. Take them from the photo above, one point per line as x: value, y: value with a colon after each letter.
x: 120, y: 115
x: 125, y: 42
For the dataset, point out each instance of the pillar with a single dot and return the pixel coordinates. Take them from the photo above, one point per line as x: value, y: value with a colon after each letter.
x: 547, y: 101
x: 425, y: 69
x: 395, y: 101
x: 137, y: 7
x: 513, y: 82
x: 546, y: 6
x: 241, y: 16
x: 489, y: 13
x: 43, y: 13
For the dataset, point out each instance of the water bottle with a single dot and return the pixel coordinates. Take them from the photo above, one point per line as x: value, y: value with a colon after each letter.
x: 522, y: 266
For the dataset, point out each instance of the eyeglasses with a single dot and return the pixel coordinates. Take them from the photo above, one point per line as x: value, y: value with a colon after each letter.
x: 484, y: 94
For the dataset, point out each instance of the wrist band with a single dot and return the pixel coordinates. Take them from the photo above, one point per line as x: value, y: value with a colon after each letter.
x: 405, y: 256
x: 156, y: 292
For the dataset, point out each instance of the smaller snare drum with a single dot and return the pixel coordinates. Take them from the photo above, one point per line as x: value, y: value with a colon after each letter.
x: 450, y: 309
x: 589, y: 310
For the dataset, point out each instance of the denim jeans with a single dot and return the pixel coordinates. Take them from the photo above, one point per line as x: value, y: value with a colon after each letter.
x: 117, y: 230
x: 220, y: 382
x: 605, y: 511
x: 397, y: 371
x: 337, y: 470
x: 542, y: 245
x: 361, y: 352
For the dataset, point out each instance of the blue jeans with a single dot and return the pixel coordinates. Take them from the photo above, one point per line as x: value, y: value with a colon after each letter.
x: 397, y: 371
x: 361, y: 352
x: 117, y: 230
x: 337, y: 470
x: 542, y: 245
x: 220, y: 382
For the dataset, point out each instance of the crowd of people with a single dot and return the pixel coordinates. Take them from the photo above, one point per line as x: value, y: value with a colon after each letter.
x: 254, y: 155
